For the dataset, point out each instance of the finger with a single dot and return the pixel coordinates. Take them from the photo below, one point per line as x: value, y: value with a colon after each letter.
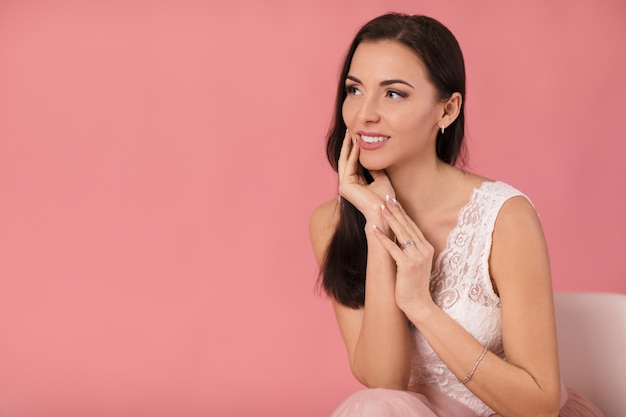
x: 394, y: 250
x: 404, y: 234
x: 410, y: 240
x: 403, y: 218
x: 378, y: 175
x: 346, y: 147
x: 353, y: 158
x: 397, y: 220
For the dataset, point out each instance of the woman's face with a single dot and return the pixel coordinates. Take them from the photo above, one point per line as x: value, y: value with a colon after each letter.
x: 391, y: 106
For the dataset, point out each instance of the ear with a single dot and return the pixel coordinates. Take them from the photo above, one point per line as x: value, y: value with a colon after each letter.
x: 451, y: 109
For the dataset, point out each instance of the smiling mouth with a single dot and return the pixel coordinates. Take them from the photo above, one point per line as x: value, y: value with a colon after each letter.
x: 374, y: 139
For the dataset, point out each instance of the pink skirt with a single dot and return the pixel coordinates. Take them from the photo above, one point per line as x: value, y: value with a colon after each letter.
x: 579, y: 406
x: 393, y: 403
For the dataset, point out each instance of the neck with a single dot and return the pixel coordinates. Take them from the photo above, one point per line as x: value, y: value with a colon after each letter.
x: 423, y: 187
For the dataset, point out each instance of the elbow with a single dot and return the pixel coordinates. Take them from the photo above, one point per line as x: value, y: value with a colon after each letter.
x: 553, y: 407
x: 552, y: 403
x: 547, y: 407
x: 539, y: 403
x: 551, y: 413
x: 395, y: 385
x: 545, y: 411
x: 377, y: 379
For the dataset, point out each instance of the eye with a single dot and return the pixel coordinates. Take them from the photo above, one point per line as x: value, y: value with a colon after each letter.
x: 395, y: 94
x: 353, y: 90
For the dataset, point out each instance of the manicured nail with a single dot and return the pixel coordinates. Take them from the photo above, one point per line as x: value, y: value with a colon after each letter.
x: 384, y: 209
x: 395, y: 202
x: 376, y: 229
x: 387, y: 198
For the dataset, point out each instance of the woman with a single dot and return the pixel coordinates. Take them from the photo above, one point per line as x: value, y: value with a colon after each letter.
x: 439, y: 278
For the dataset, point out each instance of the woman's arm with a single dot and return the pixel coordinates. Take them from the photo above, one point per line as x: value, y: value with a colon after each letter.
x: 527, y: 383
x: 377, y: 335
x: 381, y: 356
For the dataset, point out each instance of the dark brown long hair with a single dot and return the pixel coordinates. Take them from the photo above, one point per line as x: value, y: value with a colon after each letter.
x: 343, y: 270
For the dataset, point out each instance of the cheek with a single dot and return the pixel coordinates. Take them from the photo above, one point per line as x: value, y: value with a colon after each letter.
x: 347, y: 111
x: 419, y: 120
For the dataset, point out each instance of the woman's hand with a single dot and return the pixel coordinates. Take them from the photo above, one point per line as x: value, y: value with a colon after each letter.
x: 413, y: 256
x: 367, y: 198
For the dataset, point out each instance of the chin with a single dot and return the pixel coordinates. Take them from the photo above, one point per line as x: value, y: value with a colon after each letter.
x: 373, y: 164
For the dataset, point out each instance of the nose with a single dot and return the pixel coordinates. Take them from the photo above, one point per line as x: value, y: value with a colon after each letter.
x: 369, y: 111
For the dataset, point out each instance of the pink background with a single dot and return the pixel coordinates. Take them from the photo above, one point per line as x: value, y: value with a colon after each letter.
x: 159, y: 161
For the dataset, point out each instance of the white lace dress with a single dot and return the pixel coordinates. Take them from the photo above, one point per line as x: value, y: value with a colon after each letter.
x: 461, y: 286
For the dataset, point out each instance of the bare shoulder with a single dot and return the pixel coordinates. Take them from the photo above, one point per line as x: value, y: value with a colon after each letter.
x: 517, y: 215
x: 519, y: 254
x: 322, y: 225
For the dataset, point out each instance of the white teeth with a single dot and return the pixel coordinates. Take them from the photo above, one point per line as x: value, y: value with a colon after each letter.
x: 373, y: 139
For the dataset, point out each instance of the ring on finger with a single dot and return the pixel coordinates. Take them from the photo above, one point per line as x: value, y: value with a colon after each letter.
x: 407, y: 244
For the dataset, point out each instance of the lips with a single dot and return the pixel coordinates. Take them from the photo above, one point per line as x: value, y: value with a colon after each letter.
x: 370, y: 141
x: 373, y: 139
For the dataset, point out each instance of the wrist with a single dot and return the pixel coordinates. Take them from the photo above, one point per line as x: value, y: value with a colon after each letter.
x: 380, y: 224
x: 419, y: 311
x: 373, y: 212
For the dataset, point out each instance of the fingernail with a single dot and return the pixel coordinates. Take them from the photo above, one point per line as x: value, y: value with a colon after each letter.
x: 383, y: 208
x: 376, y: 229
x: 395, y: 202
x: 387, y: 197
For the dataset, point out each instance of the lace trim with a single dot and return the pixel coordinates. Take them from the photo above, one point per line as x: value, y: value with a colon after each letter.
x: 464, y: 263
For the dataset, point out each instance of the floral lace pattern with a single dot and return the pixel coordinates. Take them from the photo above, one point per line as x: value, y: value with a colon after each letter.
x: 461, y: 286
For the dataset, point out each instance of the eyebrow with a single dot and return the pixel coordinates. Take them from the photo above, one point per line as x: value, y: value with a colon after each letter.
x: 382, y: 83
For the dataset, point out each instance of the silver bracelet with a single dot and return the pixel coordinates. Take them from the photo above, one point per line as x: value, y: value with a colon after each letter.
x: 471, y: 374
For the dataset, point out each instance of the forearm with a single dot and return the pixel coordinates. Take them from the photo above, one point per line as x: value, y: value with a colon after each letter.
x: 382, y: 354
x: 506, y: 388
